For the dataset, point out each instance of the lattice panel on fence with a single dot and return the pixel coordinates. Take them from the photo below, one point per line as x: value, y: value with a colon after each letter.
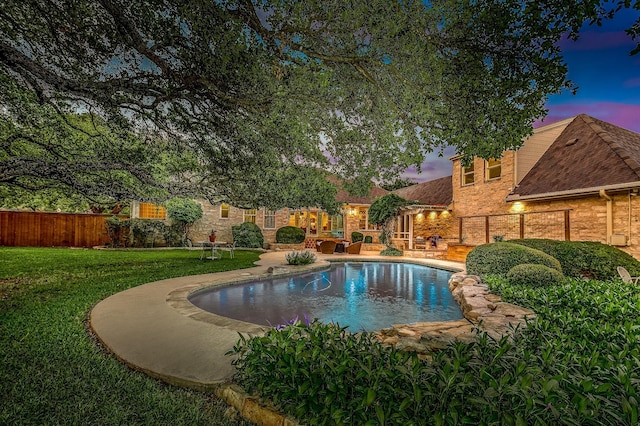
x: 482, y: 229
x: 548, y: 225
x: 507, y: 227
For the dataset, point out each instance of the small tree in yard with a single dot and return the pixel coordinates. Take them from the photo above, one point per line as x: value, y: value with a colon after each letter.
x: 184, y: 212
x: 383, y: 212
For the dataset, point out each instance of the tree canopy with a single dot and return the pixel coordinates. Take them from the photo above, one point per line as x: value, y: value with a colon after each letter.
x: 257, y: 91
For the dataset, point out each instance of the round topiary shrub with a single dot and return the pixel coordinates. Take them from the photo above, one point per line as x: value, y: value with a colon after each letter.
x: 499, y: 258
x: 585, y: 259
x: 532, y: 275
x: 247, y: 235
x: 368, y: 239
x: 356, y: 237
x: 290, y: 235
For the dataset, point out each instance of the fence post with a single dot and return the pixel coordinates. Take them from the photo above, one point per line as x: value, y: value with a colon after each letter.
x: 567, y: 227
x: 486, y: 229
x: 521, y: 226
x: 460, y: 230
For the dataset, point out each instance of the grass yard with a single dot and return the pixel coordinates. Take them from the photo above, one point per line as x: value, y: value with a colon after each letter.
x: 52, y: 372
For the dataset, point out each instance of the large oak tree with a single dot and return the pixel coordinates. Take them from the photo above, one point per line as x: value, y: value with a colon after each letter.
x: 264, y: 92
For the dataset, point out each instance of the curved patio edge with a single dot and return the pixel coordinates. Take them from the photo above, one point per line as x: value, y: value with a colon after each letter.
x: 153, y: 328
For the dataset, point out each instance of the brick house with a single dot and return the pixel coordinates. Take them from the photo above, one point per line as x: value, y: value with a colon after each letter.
x: 316, y: 223
x: 577, y: 179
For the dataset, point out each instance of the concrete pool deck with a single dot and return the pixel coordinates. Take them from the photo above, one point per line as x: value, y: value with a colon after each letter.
x: 155, y: 329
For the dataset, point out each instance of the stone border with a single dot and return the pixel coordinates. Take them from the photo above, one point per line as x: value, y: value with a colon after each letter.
x: 481, y: 309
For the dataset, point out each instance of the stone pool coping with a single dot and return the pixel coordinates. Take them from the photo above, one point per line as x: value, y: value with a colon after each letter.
x: 155, y: 329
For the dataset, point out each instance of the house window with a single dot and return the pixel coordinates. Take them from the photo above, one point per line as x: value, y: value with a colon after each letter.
x: 269, y: 219
x: 493, y: 168
x: 363, y: 219
x: 152, y: 211
x: 224, y: 211
x: 401, y: 230
x: 467, y: 175
x: 249, y: 215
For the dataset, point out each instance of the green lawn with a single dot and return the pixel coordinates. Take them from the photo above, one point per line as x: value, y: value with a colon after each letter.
x: 53, y: 372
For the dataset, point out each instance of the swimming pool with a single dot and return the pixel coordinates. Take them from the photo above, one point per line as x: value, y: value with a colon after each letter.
x: 359, y: 295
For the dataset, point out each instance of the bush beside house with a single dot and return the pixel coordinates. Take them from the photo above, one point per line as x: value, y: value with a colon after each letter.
x: 247, y: 235
x: 290, y: 235
x: 585, y: 259
x: 499, y: 258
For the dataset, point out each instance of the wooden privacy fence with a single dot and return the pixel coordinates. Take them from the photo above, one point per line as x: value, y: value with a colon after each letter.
x: 39, y: 229
x: 553, y: 225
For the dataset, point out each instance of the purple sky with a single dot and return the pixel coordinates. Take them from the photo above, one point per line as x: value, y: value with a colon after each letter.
x: 608, y: 81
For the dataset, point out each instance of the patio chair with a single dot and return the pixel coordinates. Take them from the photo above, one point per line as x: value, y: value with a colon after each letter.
x: 228, y: 247
x: 327, y: 247
x: 626, y: 276
x: 354, y: 248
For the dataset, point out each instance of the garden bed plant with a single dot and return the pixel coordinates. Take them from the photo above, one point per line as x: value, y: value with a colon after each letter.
x: 577, y: 363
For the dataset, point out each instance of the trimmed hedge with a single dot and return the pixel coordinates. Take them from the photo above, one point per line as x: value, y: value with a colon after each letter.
x: 247, y: 235
x: 290, y: 235
x: 585, y: 259
x: 368, y: 239
x: 356, y: 237
x: 499, y: 258
x: 532, y: 275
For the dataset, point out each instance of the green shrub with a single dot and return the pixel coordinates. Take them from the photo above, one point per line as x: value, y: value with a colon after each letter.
x: 534, y: 275
x: 118, y: 231
x: 585, y: 259
x: 184, y: 210
x: 368, y: 239
x: 305, y: 257
x: 248, y: 235
x: 290, y: 235
x: 391, y: 251
x: 356, y: 236
x: 499, y: 258
x: 320, y: 371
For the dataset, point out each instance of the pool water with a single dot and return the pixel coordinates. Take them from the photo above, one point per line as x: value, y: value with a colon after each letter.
x: 365, y: 296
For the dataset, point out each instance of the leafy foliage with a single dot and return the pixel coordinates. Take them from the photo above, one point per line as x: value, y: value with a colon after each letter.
x: 585, y: 259
x: 247, y: 235
x: 272, y: 87
x: 577, y: 363
x: 391, y: 251
x: 184, y: 210
x: 534, y: 275
x: 499, y: 258
x: 290, y: 235
x: 383, y: 212
x: 305, y: 257
x: 368, y: 239
x: 356, y: 236
x: 137, y: 232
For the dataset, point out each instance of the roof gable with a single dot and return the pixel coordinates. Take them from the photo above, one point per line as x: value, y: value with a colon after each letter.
x: 437, y: 192
x: 589, y: 153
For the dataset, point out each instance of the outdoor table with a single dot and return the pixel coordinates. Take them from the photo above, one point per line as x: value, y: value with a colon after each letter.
x: 215, y: 253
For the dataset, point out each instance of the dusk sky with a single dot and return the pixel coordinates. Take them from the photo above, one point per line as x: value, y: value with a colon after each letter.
x: 608, y: 81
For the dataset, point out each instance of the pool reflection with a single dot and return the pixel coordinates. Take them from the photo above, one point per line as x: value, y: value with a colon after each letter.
x: 363, y: 296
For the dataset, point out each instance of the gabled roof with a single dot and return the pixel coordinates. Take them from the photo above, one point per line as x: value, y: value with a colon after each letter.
x: 437, y: 192
x: 375, y: 192
x: 590, y: 154
x: 346, y: 198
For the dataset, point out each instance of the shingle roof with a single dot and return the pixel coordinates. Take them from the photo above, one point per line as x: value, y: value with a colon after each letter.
x: 589, y: 153
x: 345, y: 197
x: 375, y: 192
x: 437, y: 192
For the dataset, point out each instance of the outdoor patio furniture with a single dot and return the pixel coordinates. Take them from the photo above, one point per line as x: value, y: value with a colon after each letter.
x: 229, y: 248
x: 354, y: 248
x: 419, y: 243
x: 327, y: 247
x: 626, y: 276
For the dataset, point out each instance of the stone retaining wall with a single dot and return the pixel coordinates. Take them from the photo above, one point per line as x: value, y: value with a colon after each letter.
x: 481, y: 309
